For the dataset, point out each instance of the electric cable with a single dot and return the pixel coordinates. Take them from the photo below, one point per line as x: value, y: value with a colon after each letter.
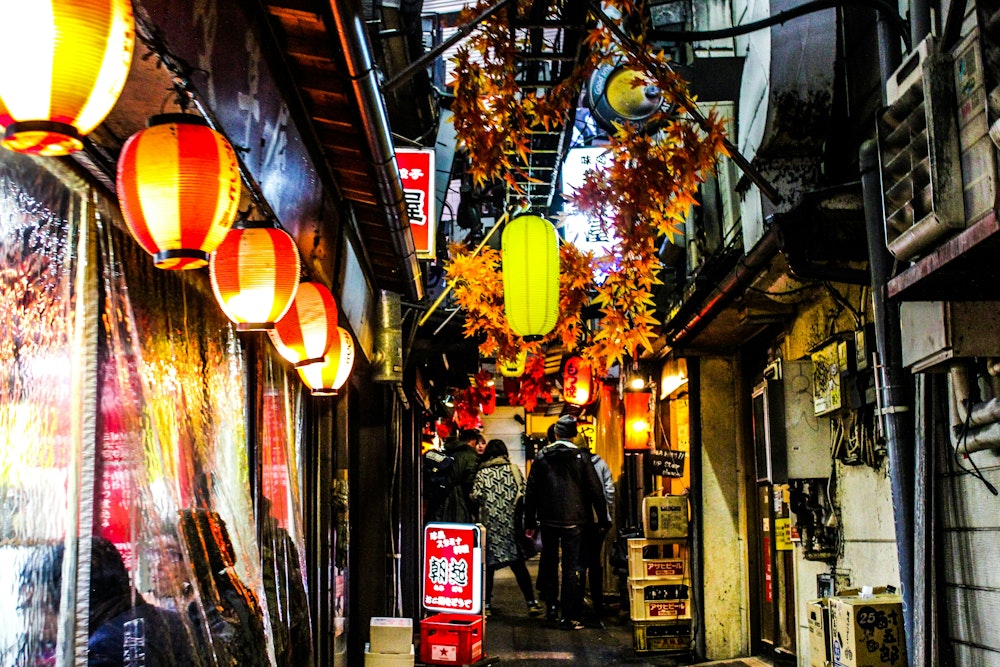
x: 975, y: 472
x: 886, y: 9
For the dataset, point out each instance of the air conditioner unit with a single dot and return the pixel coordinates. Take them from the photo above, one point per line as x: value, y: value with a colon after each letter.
x: 978, y: 102
x: 918, y: 149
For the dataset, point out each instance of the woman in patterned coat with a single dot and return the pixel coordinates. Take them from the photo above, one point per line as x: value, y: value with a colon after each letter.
x: 497, y: 487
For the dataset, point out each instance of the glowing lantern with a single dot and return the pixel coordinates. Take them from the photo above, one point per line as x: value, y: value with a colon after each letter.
x: 578, y: 381
x: 531, y: 276
x: 637, y: 421
x: 309, y: 328
x: 65, y: 64
x: 179, y: 188
x: 255, y: 274
x: 328, y: 376
x: 513, y: 367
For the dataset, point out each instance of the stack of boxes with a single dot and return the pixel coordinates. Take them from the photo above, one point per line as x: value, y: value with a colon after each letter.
x: 391, y: 643
x: 659, y: 578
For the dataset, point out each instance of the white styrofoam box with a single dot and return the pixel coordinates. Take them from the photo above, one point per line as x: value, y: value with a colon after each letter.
x: 391, y: 635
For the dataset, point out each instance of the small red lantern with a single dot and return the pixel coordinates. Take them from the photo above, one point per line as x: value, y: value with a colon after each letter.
x: 179, y: 188
x: 638, y: 425
x: 578, y: 381
x: 255, y: 275
x: 309, y: 328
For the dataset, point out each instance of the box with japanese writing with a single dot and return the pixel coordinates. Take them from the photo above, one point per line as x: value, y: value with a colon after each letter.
x: 664, y: 600
x: 451, y: 639
x: 818, y: 613
x: 453, y: 568
x: 867, y: 632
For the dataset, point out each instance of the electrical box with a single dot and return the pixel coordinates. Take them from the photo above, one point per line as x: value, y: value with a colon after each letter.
x: 826, y: 390
x: 807, y: 439
x: 935, y: 332
x: 665, y: 516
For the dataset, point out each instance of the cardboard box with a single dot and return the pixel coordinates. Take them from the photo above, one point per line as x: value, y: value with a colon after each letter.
x: 374, y: 659
x: 818, y: 613
x: 867, y: 632
x: 391, y: 635
x: 665, y: 516
x: 451, y: 639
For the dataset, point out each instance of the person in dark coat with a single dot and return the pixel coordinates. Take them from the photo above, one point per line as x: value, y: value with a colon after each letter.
x: 563, y: 494
x: 458, y: 506
x: 499, y: 483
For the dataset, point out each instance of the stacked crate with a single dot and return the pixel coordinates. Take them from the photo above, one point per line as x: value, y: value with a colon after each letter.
x: 659, y: 579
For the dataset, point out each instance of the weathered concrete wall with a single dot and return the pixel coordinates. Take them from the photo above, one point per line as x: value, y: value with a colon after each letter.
x: 724, y: 510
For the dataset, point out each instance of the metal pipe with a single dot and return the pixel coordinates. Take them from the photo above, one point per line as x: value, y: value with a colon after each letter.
x: 432, y: 55
x: 920, y: 20
x: 895, y: 389
x: 374, y: 120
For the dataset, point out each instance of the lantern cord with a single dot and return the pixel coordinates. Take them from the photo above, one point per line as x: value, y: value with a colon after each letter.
x: 446, y: 320
x: 437, y: 302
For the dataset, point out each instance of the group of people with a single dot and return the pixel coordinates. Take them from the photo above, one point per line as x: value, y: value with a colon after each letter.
x: 567, y: 498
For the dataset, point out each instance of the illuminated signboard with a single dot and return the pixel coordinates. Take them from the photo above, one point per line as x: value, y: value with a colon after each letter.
x: 584, y: 233
x: 416, y: 168
x: 453, y: 567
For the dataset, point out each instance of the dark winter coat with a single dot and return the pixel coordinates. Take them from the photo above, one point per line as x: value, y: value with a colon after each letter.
x: 563, y: 489
x: 457, y: 505
x: 496, y: 489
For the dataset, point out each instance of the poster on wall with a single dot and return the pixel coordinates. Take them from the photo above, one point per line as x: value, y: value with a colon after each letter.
x: 453, y: 567
x: 416, y: 169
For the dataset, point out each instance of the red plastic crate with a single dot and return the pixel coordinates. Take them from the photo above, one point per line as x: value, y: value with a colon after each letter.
x: 451, y: 639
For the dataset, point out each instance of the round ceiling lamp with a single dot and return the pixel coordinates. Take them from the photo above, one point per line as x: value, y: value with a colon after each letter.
x: 615, y: 95
x: 530, y: 276
x: 309, y: 328
x: 255, y: 275
x: 65, y: 64
x: 179, y: 188
x: 328, y: 376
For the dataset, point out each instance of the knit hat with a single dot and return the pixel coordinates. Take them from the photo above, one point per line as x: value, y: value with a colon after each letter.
x: 566, y: 427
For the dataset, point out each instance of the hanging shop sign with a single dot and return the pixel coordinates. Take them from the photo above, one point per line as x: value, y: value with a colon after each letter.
x: 416, y: 169
x: 453, y: 567
x: 668, y: 463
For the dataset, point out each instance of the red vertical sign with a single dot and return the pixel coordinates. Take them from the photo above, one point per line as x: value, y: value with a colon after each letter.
x: 416, y: 168
x: 453, y: 567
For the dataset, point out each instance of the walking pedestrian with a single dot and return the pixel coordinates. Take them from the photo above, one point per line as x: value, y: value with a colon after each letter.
x: 592, y: 542
x: 457, y: 506
x: 562, y: 491
x: 498, y: 485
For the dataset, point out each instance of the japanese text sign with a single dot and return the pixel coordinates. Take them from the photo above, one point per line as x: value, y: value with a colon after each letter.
x: 453, y: 567
x: 416, y: 168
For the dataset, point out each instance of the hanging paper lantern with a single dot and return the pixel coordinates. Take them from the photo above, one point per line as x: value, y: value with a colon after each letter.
x: 531, y: 276
x: 179, y: 188
x: 512, y: 367
x: 578, y: 381
x: 325, y: 378
x: 309, y: 328
x: 255, y: 274
x: 64, y: 66
x: 637, y: 419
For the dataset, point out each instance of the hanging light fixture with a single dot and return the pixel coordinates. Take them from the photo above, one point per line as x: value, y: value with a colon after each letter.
x: 179, y: 188
x: 64, y: 66
x: 325, y: 378
x: 578, y: 381
x: 255, y: 274
x: 309, y: 328
x: 637, y: 419
x: 530, y: 276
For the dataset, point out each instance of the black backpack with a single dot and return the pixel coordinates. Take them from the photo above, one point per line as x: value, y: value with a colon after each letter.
x: 437, y: 476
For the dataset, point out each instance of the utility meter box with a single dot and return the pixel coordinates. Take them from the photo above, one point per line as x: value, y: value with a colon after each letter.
x: 665, y: 516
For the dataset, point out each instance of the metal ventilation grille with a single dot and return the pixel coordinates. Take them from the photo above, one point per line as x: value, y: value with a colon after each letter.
x: 918, y: 145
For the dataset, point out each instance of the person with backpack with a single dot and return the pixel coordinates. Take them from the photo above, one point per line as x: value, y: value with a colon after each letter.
x: 455, y: 504
x: 562, y: 492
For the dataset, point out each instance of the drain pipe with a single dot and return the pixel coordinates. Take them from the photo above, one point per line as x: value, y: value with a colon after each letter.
x: 893, y: 381
x: 374, y: 119
x: 975, y: 427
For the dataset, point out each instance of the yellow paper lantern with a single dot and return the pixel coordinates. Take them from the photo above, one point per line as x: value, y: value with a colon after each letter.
x: 64, y: 66
x: 328, y: 376
x: 531, y: 276
x: 308, y: 329
x: 512, y: 367
x: 255, y: 275
x: 179, y: 189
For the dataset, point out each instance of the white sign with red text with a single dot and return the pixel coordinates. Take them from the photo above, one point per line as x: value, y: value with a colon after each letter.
x: 416, y: 169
